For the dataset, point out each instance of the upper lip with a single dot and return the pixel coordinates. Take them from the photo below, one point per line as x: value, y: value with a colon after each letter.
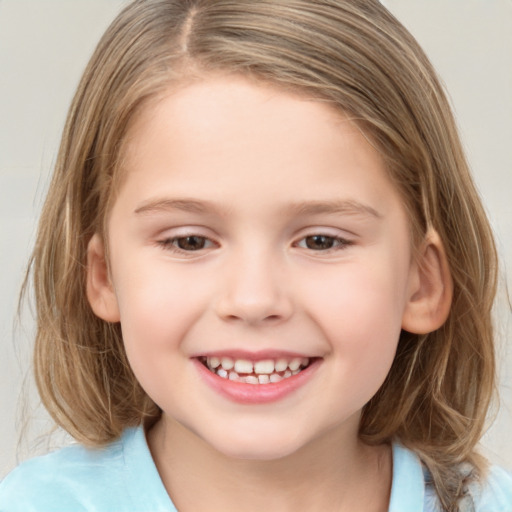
x: 254, y: 355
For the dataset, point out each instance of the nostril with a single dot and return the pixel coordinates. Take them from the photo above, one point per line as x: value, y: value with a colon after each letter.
x: 249, y: 319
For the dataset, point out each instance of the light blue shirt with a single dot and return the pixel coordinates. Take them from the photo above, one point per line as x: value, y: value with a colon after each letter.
x: 122, y: 477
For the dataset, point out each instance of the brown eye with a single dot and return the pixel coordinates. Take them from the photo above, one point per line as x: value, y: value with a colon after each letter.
x: 320, y: 242
x: 191, y: 243
x: 323, y: 243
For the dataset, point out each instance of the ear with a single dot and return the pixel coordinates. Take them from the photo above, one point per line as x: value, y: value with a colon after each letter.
x: 100, y: 291
x: 430, y: 288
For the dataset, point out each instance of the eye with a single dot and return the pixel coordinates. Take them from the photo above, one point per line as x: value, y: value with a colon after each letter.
x: 191, y: 243
x: 323, y: 242
x: 188, y: 243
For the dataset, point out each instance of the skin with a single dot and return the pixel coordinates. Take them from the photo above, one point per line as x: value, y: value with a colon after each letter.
x: 255, y: 174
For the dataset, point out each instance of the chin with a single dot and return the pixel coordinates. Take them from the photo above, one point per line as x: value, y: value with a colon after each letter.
x: 257, y: 446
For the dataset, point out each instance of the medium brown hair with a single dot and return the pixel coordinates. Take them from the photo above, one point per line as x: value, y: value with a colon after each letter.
x: 353, y: 54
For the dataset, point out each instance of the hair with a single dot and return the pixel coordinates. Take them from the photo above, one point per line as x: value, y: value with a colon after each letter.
x: 357, y: 57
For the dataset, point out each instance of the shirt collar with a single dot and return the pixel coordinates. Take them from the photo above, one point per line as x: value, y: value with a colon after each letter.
x: 408, y: 486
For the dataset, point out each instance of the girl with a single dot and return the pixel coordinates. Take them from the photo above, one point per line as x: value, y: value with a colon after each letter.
x: 263, y: 275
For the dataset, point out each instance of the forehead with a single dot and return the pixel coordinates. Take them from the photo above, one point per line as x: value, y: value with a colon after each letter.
x: 226, y: 133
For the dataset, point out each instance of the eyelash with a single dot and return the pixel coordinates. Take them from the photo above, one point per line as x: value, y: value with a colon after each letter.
x: 338, y: 243
x: 171, y: 243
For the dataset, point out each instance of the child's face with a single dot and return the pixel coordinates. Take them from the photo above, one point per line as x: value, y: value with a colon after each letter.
x: 256, y: 225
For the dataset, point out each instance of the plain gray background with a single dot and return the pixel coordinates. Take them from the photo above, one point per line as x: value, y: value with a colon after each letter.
x: 44, y: 46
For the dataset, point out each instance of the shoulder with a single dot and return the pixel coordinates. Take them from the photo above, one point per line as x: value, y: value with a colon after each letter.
x: 494, y: 493
x: 412, y: 489
x: 60, y: 480
x: 76, y: 478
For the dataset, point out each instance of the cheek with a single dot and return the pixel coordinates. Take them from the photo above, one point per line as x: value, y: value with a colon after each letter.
x: 157, y: 308
x: 156, y: 315
x: 361, y: 299
x: 361, y: 317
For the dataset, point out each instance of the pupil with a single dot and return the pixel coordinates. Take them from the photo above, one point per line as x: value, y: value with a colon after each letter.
x: 317, y: 242
x: 191, y: 243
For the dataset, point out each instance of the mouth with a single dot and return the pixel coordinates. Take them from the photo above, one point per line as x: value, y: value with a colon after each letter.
x: 259, y: 372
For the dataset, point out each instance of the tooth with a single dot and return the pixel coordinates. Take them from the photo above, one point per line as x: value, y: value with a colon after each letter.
x: 222, y: 373
x: 281, y: 365
x: 234, y: 376
x: 266, y: 366
x: 263, y: 379
x: 295, y: 372
x: 275, y: 377
x: 287, y: 374
x: 227, y: 363
x: 304, y: 361
x: 294, y: 364
x: 243, y: 366
x: 251, y: 379
x: 213, y: 362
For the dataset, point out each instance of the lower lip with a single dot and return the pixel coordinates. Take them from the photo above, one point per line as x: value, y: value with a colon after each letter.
x: 244, y: 393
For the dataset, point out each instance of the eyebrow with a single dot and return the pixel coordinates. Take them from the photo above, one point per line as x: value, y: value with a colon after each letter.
x: 303, y: 208
x: 346, y: 207
x: 187, y: 205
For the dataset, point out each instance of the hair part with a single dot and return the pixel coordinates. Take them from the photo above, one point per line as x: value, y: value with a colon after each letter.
x: 357, y: 57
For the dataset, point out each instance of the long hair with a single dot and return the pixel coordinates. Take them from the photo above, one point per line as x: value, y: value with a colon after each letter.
x: 352, y: 54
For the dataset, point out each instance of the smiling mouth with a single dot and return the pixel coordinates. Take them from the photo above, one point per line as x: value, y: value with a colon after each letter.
x: 265, y: 371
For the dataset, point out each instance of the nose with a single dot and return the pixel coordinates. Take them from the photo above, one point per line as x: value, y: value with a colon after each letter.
x: 254, y: 290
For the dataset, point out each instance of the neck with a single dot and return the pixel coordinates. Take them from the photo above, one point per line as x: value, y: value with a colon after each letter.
x: 335, y: 473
